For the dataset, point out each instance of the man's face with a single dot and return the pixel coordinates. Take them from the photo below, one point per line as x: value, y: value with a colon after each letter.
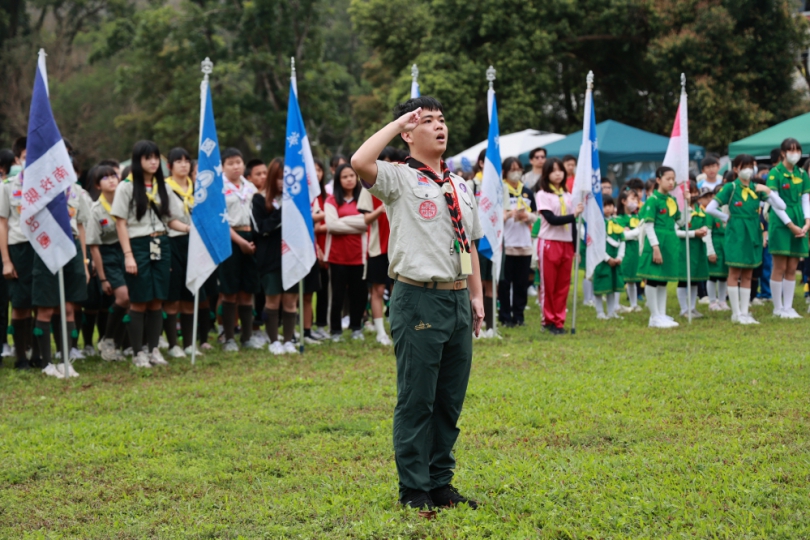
x: 430, y: 135
x: 570, y: 167
x: 538, y: 161
x: 711, y: 171
x: 607, y: 188
x: 258, y: 176
x: 233, y: 168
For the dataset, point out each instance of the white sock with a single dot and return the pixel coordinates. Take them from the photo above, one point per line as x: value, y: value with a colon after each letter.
x: 776, y: 295
x: 598, y: 305
x: 788, y: 290
x: 632, y: 294
x: 612, y: 302
x: 722, y: 291
x: 379, y: 325
x: 682, y: 298
x: 652, y: 301
x: 617, y: 300
x: 745, y: 300
x: 587, y: 290
x: 734, y: 299
x: 694, y: 297
x: 662, y: 301
x: 712, y: 290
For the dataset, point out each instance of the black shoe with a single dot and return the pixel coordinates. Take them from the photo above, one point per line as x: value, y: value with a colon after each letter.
x: 22, y: 364
x: 419, y: 500
x: 520, y: 323
x: 448, y: 496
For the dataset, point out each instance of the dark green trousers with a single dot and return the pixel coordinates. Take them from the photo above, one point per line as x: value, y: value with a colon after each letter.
x: 432, y: 333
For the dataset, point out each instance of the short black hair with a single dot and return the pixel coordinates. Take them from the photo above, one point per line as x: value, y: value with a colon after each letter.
x: 110, y: 163
x: 176, y: 154
x: 534, y: 152
x: 6, y: 160
x: 334, y: 161
x: 425, y: 102
x: 708, y: 161
x: 776, y: 157
x: 230, y: 153
x: 606, y: 181
x: 568, y: 157
x: 790, y: 143
x: 18, y: 146
x: 607, y: 200
x: 253, y: 163
x: 507, y: 165
x: 634, y: 184
x: 98, y: 173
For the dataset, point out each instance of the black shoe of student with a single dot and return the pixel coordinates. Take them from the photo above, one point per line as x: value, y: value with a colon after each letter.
x: 22, y: 364
x: 520, y: 322
x: 448, y: 497
x: 421, y: 501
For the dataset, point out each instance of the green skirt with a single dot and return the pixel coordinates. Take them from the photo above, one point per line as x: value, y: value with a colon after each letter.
x: 630, y: 262
x: 113, y: 260
x: 743, y: 244
x: 607, y: 279
x: 152, y: 280
x: 22, y: 257
x: 780, y: 240
x: 669, y: 244
x: 45, y: 285
x: 719, y: 269
x: 698, y: 260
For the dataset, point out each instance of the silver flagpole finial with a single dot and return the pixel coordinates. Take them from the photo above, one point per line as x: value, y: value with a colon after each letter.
x: 207, y: 67
x: 683, y: 81
x: 589, y: 80
x: 414, y: 73
x: 491, y: 76
x: 292, y: 66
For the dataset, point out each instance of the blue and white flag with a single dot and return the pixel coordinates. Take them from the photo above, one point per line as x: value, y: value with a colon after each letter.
x: 588, y: 189
x: 300, y: 189
x: 209, y: 241
x: 47, y: 175
x: 490, y: 204
x: 414, y: 89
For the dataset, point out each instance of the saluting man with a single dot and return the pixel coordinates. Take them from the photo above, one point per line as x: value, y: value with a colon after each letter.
x: 437, y: 303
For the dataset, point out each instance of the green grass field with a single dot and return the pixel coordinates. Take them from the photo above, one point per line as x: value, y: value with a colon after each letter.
x: 618, y: 432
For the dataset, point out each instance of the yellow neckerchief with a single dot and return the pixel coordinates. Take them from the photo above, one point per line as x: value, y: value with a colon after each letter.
x: 105, y: 204
x: 187, y: 196
x: 614, y: 228
x: 518, y: 193
x: 559, y: 192
x: 151, y: 195
x: 672, y: 206
x: 698, y: 212
x: 746, y: 191
x: 634, y: 221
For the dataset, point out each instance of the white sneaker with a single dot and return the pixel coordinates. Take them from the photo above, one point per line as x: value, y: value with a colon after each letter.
x: 669, y: 319
x: 128, y: 351
x: 624, y: 309
x: 75, y: 354
x: 357, y: 335
x: 177, y: 352
x: 276, y: 348
x: 696, y: 314
x: 141, y: 360
x: 344, y: 322
x: 156, y: 359
x: 705, y: 300
x: 289, y: 348
x: 60, y: 368
x: 369, y: 327
x: 724, y: 306
x: 757, y: 302
x: 748, y: 319
x: 320, y: 333
x: 51, y: 371
x: 383, y: 339
x: 106, y: 348
x: 790, y: 313
x: 230, y: 346
x: 532, y: 290
x: 8, y: 350
x: 715, y: 306
x: 636, y: 309
x: 311, y: 340
x: 254, y: 343
x: 162, y: 343
x: 602, y: 316
x: 89, y: 350
x: 189, y: 350
x: 615, y: 316
x: 662, y: 322
x: 336, y: 338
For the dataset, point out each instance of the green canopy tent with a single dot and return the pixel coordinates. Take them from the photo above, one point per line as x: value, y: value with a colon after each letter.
x: 760, y: 144
x: 618, y: 143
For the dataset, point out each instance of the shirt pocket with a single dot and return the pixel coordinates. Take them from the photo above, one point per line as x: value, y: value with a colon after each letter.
x: 427, y: 202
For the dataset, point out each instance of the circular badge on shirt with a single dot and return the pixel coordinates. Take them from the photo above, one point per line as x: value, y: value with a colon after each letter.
x: 463, y: 187
x: 427, y: 210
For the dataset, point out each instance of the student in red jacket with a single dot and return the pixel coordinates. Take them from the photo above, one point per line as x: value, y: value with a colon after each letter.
x: 346, y: 245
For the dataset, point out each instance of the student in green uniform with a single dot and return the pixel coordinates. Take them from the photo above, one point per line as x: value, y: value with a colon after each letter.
x: 718, y: 271
x: 700, y: 248
x: 659, y: 256
x: 437, y: 304
x: 628, y: 208
x: 607, y: 276
x: 142, y: 210
x: 743, y: 236
x: 108, y: 259
x: 180, y: 300
x: 787, y: 229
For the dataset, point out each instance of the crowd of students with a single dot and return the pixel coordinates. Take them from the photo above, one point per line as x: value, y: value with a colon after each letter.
x: 746, y: 230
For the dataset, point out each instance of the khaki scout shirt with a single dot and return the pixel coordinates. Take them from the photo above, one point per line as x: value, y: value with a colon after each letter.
x: 101, y: 227
x: 78, y: 208
x: 420, y: 246
x: 239, y: 202
x: 10, y: 204
x: 183, y: 217
x: 124, y: 207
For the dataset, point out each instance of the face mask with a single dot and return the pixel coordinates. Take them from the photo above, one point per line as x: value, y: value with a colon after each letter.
x: 514, y: 176
x: 631, y: 207
x: 746, y: 174
x: 15, y: 170
x: 794, y: 157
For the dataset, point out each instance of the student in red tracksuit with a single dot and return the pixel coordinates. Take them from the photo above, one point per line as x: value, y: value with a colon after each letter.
x: 346, y: 245
x: 555, y: 248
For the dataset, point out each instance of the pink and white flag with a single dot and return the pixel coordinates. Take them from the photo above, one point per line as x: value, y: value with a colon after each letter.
x: 677, y: 155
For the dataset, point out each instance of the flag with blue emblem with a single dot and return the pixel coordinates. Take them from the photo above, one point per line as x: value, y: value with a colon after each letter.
x: 490, y: 203
x: 588, y: 189
x: 414, y: 82
x: 48, y: 173
x: 209, y: 241
x: 300, y: 189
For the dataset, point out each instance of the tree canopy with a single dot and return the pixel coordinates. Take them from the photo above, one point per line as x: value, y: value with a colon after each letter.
x: 119, y: 74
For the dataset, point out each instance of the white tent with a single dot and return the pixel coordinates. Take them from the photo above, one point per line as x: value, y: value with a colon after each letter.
x: 512, y: 145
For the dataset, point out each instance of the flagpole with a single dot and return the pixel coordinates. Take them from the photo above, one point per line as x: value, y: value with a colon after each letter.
x: 63, y: 313
x: 301, y: 314
x: 577, y: 224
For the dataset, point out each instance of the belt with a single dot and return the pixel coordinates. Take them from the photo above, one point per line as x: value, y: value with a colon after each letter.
x: 457, y: 285
x: 244, y: 228
x: 158, y: 233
